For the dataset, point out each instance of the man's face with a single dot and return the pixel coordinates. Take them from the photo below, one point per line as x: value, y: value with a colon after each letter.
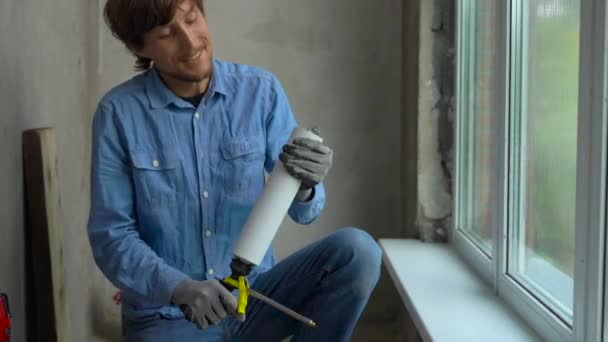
x: 182, y: 48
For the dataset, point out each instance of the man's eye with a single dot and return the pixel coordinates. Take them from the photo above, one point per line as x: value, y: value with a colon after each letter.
x: 191, y: 19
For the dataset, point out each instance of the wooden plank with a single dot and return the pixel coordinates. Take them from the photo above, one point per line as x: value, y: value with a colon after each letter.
x: 50, y: 319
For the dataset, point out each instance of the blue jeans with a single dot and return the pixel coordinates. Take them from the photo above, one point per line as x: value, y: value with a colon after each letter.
x: 329, y: 281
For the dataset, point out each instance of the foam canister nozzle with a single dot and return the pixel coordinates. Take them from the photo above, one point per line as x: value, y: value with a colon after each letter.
x: 270, y: 209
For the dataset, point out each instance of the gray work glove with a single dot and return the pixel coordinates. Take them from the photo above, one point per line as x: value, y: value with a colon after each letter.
x: 307, y: 160
x: 204, y: 302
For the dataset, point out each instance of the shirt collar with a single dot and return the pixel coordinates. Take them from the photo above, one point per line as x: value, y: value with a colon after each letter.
x: 160, y: 96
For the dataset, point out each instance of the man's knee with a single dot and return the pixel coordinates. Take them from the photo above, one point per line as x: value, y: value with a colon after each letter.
x: 357, y: 241
x: 362, y: 255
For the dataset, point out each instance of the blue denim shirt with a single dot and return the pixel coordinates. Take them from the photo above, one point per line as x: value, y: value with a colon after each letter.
x: 172, y: 185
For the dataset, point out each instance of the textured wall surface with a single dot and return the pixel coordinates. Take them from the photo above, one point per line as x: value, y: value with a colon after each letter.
x: 45, y: 68
x: 436, y: 120
x: 339, y: 61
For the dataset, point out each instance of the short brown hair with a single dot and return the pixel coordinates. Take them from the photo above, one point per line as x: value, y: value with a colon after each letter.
x: 129, y: 20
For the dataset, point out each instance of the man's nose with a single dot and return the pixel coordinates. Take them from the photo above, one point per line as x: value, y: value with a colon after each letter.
x: 188, y: 38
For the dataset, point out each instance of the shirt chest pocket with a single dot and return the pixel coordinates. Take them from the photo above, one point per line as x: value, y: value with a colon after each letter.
x: 156, y: 176
x: 243, y: 166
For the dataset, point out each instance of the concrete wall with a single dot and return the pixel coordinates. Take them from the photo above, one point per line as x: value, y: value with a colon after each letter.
x: 339, y: 61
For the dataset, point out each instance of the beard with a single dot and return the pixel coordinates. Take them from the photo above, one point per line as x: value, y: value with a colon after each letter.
x: 189, y: 71
x: 198, y: 74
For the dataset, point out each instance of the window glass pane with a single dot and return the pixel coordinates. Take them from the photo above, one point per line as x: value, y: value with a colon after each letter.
x: 480, y: 124
x: 545, y: 158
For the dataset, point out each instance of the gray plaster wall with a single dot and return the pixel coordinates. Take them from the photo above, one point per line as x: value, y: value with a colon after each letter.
x: 339, y: 61
x: 45, y: 68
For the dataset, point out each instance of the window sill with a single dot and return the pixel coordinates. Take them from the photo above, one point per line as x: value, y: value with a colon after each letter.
x: 446, y: 300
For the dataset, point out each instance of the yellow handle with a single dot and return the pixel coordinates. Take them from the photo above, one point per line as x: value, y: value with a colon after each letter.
x: 243, y: 288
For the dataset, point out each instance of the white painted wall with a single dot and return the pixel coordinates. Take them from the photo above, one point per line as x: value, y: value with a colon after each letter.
x: 339, y: 62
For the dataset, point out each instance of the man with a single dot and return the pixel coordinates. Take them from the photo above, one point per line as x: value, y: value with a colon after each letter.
x: 179, y: 153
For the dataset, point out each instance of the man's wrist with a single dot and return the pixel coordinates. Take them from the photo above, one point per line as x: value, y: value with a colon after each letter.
x: 180, y: 289
x: 305, y: 195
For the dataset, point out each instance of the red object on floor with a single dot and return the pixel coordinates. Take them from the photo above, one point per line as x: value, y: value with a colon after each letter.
x: 5, y: 319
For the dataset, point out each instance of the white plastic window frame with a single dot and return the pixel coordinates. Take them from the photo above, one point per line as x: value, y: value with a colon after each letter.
x: 469, y: 248
x: 590, y: 234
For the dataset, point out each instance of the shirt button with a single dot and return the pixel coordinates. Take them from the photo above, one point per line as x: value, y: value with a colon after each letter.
x: 205, y: 194
x: 155, y: 163
x: 208, y: 233
x: 210, y: 271
x: 196, y: 115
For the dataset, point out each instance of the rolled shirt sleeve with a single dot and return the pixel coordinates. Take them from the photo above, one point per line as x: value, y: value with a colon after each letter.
x: 280, y: 122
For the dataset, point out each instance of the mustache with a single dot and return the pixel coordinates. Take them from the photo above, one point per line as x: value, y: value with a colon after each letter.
x: 196, y: 51
x: 192, y: 53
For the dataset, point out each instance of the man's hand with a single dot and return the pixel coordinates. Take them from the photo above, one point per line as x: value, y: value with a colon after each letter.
x: 204, y: 302
x: 307, y: 160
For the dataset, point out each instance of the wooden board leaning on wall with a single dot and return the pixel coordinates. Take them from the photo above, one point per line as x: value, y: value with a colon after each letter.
x: 48, y: 316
